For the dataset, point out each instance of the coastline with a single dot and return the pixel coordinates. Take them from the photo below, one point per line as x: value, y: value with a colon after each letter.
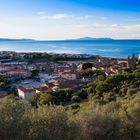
x: 104, y: 48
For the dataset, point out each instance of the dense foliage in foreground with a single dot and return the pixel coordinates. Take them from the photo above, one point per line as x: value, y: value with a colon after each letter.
x: 118, y: 120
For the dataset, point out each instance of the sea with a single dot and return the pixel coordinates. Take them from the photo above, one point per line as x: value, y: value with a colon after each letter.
x: 107, y: 48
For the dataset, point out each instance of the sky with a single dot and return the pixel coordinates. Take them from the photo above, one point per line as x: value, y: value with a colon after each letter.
x: 69, y: 19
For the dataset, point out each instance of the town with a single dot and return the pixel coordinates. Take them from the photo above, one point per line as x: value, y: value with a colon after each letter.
x: 26, y: 74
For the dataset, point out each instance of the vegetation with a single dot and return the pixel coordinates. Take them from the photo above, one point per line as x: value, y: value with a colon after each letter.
x: 34, y: 73
x: 116, y: 120
x: 3, y: 81
x: 54, y: 57
x: 93, y: 73
x: 106, y: 109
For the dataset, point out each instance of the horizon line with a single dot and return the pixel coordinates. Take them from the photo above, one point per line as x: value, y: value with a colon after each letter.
x: 70, y: 39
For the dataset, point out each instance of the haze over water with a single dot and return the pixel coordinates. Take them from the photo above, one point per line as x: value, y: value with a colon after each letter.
x: 109, y: 48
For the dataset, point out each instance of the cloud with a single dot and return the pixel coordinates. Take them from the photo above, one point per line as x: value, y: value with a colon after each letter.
x: 41, y: 13
x: 60, y: 16
x: 55, y: 16
x: 83, y: 17
x: 88, y: 26
x: 117, y: 26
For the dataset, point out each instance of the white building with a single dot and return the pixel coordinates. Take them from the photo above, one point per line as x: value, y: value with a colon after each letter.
x: 25, y: 93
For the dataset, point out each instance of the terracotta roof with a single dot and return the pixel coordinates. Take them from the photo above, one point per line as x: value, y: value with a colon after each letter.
x: 42, y: 88
x: 26, y: 89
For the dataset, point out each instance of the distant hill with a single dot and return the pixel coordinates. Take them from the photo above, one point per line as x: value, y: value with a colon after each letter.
x: 85, y: 38
x: 7, y: 39
x: 90, y: 38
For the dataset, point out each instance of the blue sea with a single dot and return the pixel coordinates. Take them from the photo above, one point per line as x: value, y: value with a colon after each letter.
x: 109, y: 48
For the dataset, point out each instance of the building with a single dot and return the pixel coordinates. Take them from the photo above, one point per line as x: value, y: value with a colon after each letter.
x: 131, y: 62
x: 69, y: 75
x: 18, y: 73
x: 26, y: 92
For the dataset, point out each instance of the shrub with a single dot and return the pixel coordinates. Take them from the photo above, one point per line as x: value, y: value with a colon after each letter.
x: 131, y: 91
x: 91, y: 90
x: 123, y: 91
x: 75, y: 106
x: 100, y: 127
x: 103, y: 87
x: 75, y: 99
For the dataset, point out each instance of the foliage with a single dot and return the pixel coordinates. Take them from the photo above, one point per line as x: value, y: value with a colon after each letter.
x: 103, y: 87
x: 34, y: 73
x: 118, y: 120
x: 75, y: 99
x: 41, y: 99
x: 131, y: 91
x: 93, y: 73
x: 87, y: 66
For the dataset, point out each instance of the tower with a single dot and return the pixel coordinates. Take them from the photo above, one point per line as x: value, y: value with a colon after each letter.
x: 133, y: 59
x: 131, y: 62
x: 128, y: 62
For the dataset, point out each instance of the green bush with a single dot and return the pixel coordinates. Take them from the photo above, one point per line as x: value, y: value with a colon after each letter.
x: 103, y: 87
x: 75, y: 99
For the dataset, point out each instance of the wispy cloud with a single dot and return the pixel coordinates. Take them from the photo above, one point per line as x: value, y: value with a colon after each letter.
x: 57, y: 16
x: 83, y: 17
x: 41, y: 13
x: 88, y: 26
x: 117, y: 26
x: 44, y: 15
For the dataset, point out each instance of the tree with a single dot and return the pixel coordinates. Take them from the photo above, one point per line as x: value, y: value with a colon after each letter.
x: 116, y: 80
x: 82, y: 94
x: 41, y: 99
x: 63, y: 95
x: 91, y: 90
x: 34, y: 99
x: 103, y: 87
x: 93, y: 73
x: 35, y: 73
x: 45, y: 98
x: 86, y: 66
x: 13, y: 121
x: 95, y: 128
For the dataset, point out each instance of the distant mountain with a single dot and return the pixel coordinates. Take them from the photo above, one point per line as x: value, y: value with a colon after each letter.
x: 85, y: 38
x: 7, y: 39
x: 90, y: 38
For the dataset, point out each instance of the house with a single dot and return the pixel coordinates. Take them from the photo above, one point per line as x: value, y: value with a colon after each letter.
x: 26, y: 92
x: 19, y: 73
x: 69, y: 75
x: 87, y: 79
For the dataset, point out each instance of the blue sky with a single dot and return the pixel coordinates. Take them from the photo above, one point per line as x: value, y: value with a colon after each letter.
x: 64, y: 19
